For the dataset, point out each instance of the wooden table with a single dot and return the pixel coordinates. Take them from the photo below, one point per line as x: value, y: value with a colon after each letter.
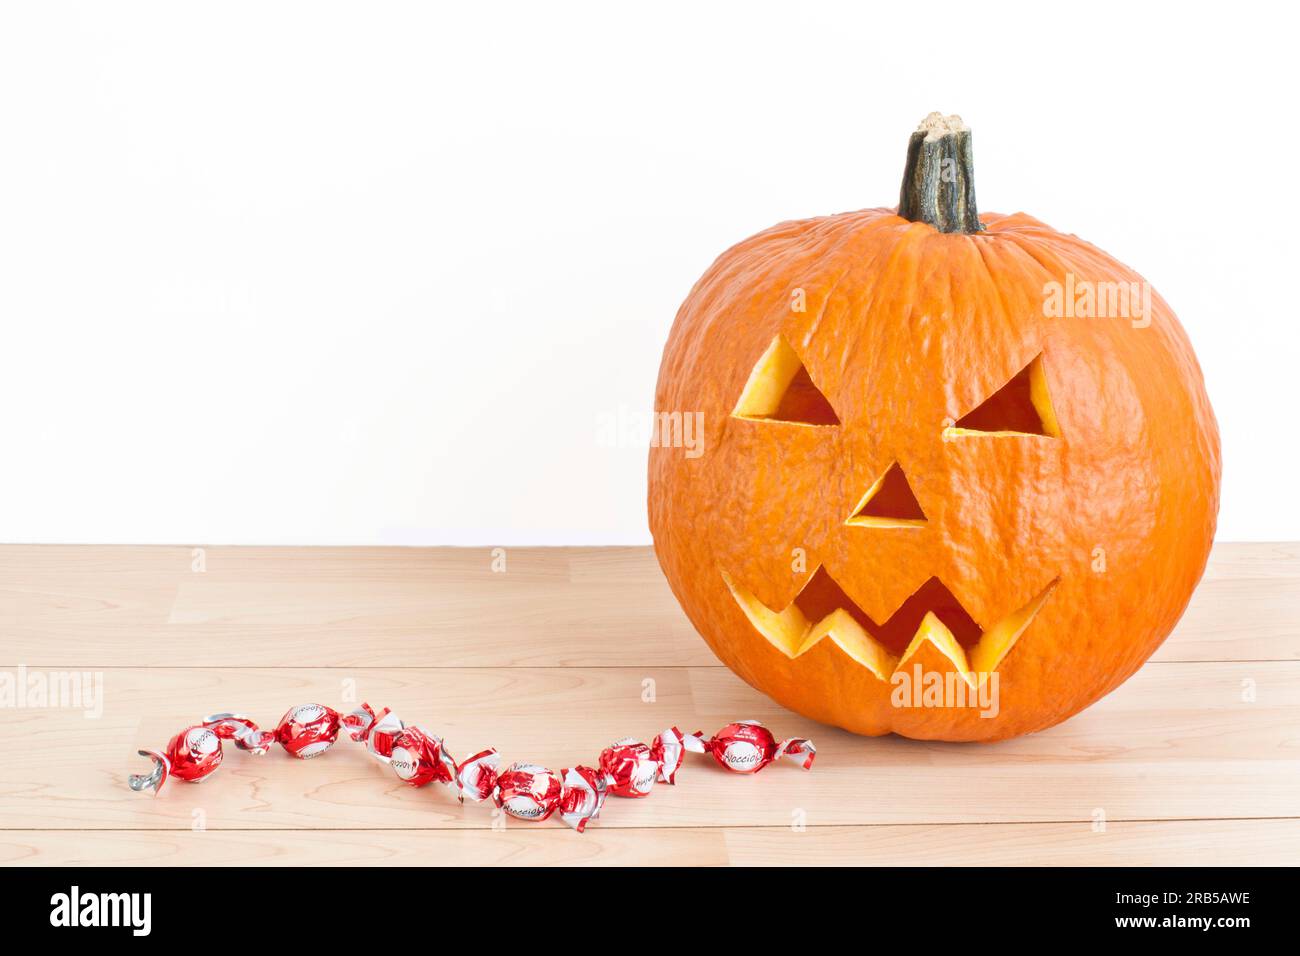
x: 1196, y: 760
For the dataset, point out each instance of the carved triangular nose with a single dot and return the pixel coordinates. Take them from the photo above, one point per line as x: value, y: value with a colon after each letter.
x: 889, y: 503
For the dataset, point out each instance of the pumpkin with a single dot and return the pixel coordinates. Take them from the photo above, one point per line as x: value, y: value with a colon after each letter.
x: 938, y: 450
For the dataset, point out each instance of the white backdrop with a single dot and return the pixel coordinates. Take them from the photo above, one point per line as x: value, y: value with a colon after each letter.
x: 346, y: 273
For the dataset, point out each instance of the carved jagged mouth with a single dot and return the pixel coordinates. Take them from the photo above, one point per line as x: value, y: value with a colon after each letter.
x: 823, y: 611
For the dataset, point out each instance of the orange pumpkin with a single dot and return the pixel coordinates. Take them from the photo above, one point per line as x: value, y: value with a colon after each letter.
x: 940, y: 453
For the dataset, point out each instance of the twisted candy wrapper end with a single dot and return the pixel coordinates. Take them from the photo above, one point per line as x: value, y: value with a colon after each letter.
x: 241, y: 730
x: 376, y: 731
x: 476, y: 778
x: 358, y: 722
x: 668, y: 749
x: 798, y: 749
x: 584, y: 794
x: 154, y: 779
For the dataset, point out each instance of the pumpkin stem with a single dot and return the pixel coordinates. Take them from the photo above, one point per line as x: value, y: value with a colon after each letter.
x: 939, y: 179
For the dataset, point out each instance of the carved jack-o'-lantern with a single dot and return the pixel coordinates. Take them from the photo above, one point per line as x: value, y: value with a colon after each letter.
x: 941, y: 452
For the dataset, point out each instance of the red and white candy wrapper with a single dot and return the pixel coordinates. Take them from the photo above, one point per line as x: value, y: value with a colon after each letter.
x: 629, y: 767
x: 415, y: 755
x: 242, y: 731
x: 195, y: 753
x: 523, y: 790
x: 308, y: 730
x: 526, y: 791
x: 419, y: 757
x: 747, y: 747
x: 191, y: 755
x: 633, y: 767
x: 668, y: 750
x: 476, y: 778
x: 376, y: 731
x: 530, y: 792
x: 582, y: 796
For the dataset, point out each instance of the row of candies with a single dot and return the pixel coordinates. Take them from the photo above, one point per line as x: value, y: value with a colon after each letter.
x: 626, y: 768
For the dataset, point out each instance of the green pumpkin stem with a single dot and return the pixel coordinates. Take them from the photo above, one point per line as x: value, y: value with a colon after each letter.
x: 939, y: 179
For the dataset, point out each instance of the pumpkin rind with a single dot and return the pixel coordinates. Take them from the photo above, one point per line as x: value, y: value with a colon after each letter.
x: 905, y: 329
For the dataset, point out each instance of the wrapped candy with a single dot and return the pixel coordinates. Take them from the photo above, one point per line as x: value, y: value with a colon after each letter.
x: 630, y: 769
x: 415, y: 755
x: 526, y: 791
x: 419, y: 757
x: 747, y: 747
x: 191, y: 755
x: 308, y: 730
x: 633, y: 767
x: 195, y: 753
x: 529, y: 792
x: 523, y: 790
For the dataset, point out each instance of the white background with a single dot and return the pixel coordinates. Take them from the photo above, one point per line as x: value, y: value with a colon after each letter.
x: 371, y: 273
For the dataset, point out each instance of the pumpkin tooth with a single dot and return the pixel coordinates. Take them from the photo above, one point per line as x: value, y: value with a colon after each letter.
x: 996, y: 643
x: 786, y: 629
x: 852, y: 638
x: 934, y: 631
x: 790, y: 632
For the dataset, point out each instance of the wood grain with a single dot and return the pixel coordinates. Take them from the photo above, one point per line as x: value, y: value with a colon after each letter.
x: 97, y: 607
x: 1192, y: 760
x: 1163, y: 843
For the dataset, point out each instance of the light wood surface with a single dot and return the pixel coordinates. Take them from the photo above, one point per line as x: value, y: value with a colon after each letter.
x: 1196, y: 759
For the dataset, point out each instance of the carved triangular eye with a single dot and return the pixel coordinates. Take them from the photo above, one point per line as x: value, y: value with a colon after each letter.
x: 1020, y: 407
x: 889, y: 503
x: 780, y: 390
